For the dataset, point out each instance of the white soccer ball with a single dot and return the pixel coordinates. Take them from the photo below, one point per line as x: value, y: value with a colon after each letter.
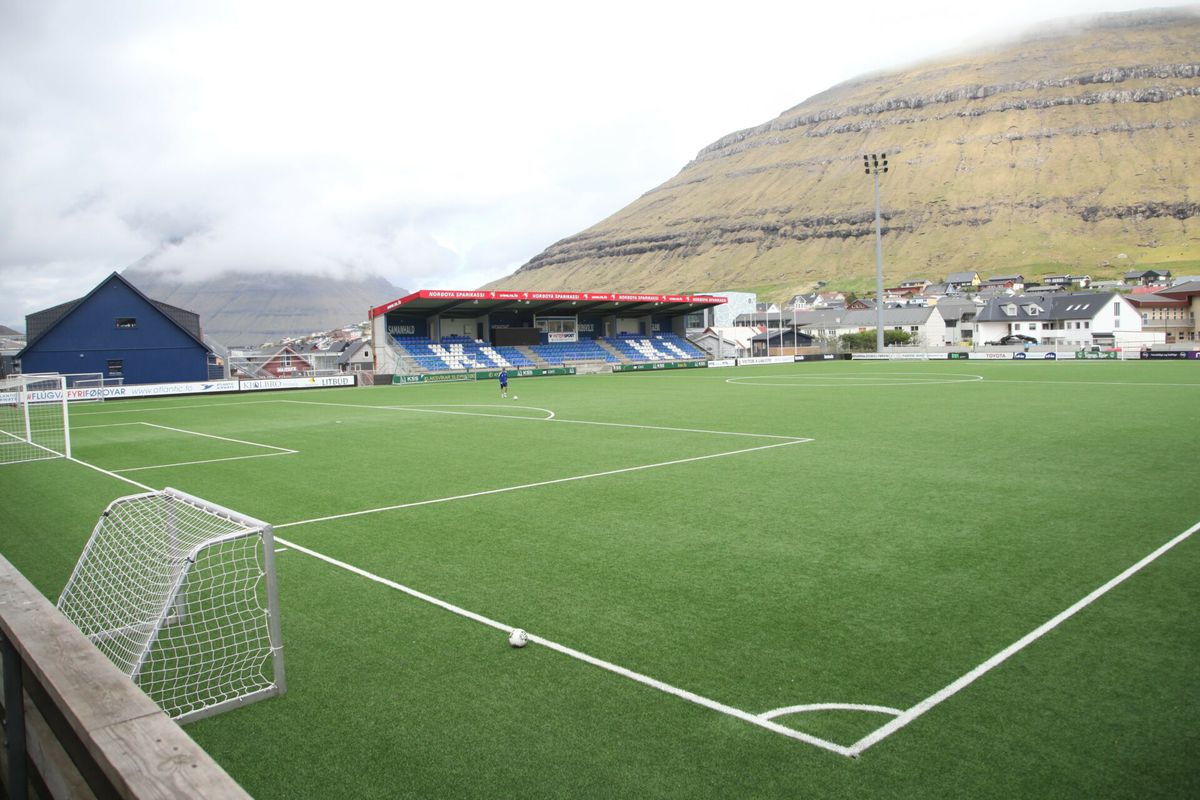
x: 518, y: 638
x: 515, y: 397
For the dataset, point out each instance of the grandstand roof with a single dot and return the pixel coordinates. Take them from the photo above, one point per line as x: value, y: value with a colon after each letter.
x: 435, y: 302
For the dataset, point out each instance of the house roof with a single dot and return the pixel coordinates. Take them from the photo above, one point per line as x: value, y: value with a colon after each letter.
x: 856, y: 318
x: 1152, y: 299
x: 39, y: 323
x: 783, y: 335
x: 953, y: 308
x: 961, y: 277
x: 1080, y: 305
x: 1181, y: 291
x: 1141, y: 273
x: 348, y: 353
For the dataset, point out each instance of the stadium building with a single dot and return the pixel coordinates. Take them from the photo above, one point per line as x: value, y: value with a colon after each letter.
x: 118, y: 333
x: 434, y: 330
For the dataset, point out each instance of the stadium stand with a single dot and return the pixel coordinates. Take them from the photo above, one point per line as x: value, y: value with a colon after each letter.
x: 660, y: 347
x: 457, y: 353
x: 583, y: 350
x: 461, y: 352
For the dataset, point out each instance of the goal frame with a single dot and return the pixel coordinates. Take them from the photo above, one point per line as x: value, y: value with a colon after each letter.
x: 15, y: 389
x: 170, y: 607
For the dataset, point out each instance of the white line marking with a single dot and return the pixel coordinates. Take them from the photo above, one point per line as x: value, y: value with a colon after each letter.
x: 139, y: 409
x: 536, y: 484
x: 820, y: 380
x: 141, y: 486
x: 1014, y: 648
x: 281, y: 549
x: 281, y: 451
x: 220, y: 438
x: 568, y: 651
x: 552, y: 418
x: 780, y: 712
x: 1093, y: 383
x: 203, y: 461
x: 432, y: 408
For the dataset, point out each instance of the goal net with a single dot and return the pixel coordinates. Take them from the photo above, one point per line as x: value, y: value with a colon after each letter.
x: 33, y: 418
x: 180, y: 594
x: 90, y: 387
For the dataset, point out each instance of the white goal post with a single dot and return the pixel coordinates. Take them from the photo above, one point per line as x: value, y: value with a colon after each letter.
x: 180, y: 594
x: 34, y: 421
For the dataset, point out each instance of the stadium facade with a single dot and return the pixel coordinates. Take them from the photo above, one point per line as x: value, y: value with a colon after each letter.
x: 119, y: 333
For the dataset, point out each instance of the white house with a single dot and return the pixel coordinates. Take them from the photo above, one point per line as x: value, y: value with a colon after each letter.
x: 1065, y: 320
x: 726, y: 342
x: 357, y: 357
x: 926, y: 325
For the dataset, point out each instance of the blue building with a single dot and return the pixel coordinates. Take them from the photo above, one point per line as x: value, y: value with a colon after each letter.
x: 118, y: 332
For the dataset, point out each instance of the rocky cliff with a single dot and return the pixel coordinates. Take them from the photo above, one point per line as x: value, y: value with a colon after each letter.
x: 1072, y: 150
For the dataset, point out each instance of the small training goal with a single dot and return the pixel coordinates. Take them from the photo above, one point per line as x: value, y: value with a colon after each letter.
x: 180, y: 594
x: 34, y: 422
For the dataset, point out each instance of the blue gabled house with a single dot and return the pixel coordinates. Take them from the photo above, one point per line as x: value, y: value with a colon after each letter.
x: 118, y: 332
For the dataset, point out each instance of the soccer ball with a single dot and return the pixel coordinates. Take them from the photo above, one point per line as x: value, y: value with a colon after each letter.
x: 515, y: 397
x: 518, y: 638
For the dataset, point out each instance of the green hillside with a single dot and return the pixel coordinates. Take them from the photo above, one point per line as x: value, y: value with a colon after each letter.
x: 1074, y: 150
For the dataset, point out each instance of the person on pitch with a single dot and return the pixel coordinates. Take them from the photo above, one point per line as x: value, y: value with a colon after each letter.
x: 503, y: 383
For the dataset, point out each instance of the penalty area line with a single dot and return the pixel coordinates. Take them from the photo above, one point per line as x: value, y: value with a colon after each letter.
x: 999, y: 658
x: 537, y: 484
x: 645, y: 680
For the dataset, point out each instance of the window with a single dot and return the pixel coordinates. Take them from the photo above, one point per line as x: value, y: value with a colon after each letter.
x: 126, y: 322
x: 116, y: 367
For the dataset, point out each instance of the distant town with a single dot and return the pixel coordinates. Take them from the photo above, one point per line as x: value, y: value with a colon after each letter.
x: 447, y: 331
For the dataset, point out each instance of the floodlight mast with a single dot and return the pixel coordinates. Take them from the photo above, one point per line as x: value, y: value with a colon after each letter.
x: 874, y: 164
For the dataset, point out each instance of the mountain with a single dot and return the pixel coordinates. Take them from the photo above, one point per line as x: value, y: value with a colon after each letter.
x: 1071, y: 150
x: 239, y: 308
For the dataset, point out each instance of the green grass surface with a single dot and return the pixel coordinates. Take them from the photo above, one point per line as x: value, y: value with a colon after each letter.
x: 939, y: 513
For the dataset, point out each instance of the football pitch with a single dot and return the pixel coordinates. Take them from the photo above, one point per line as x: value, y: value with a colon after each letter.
x: 844, y: 579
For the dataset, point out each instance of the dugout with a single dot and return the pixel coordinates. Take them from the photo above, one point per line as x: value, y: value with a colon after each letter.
x: 502, y: 318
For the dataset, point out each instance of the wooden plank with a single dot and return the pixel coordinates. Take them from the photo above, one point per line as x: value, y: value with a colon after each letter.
x: 62, y: 778
x: 135, y: 744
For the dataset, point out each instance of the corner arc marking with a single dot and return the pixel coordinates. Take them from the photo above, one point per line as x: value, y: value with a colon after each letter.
x: 801, y: 709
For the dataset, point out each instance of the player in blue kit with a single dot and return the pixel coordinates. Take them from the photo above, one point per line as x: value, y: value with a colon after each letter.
x: 503, y: 384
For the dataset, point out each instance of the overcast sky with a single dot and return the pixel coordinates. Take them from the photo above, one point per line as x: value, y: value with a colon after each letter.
x: 440, y: 145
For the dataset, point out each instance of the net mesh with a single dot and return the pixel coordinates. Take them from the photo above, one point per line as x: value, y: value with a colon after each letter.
x: 177, y: 596
x: 33, y: 419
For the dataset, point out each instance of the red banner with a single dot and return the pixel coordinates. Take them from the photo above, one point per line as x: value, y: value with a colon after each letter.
x: 594, y: 297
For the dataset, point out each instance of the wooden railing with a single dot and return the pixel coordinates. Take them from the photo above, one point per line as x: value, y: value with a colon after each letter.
x: 75, y: 726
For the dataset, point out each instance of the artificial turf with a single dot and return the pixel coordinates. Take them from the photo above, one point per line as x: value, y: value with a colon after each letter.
x: 872, y: 533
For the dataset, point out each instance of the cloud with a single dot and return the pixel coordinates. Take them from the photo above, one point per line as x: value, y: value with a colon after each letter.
x: 432, y: 144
